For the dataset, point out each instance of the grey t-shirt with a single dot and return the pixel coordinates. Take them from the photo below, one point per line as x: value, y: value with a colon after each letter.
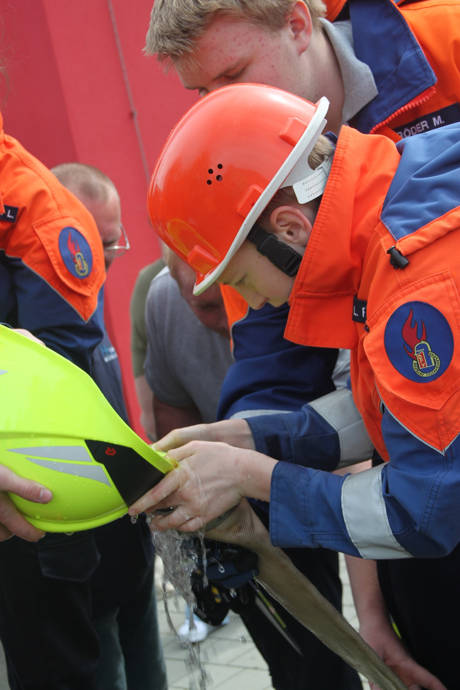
x: 186, y: 362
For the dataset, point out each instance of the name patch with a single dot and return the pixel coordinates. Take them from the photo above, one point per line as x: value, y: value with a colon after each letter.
x: 359, y: 310
x: 419, y: 342
x: 439, y: 118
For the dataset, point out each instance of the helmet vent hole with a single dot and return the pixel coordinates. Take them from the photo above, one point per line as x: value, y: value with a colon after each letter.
x: 217, y: 177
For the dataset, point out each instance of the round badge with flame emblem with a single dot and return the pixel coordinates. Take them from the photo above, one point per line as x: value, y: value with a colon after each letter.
x: 419, y: 341
x: 75, y: 252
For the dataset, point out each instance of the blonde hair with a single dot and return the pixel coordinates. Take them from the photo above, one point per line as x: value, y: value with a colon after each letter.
x: 175, y: 25
x: 322, y: 149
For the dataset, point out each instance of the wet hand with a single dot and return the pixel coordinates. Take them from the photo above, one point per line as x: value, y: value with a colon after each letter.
x: 208, y: 482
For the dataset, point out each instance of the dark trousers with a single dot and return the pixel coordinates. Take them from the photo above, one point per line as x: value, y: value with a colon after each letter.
x: 54, y: 593
x: 45, y: 612
x: 318, y: 668
x: 423, y: 597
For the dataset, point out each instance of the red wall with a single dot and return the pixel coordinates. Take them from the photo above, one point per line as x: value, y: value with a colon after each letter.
x: 77, y: 82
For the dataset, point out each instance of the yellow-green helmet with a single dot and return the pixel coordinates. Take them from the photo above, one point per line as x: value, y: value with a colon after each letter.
x: 57, y: 428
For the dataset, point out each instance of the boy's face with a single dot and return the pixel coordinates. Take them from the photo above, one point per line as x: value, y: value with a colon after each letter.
x: 256, y: 279
x: 234, y: 50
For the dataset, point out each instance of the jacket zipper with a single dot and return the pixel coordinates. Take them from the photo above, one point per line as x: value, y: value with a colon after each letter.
x: 424, y: 96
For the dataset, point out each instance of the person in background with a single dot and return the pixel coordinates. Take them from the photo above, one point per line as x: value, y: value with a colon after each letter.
x: 123, y: 595
x: 51, y: 274
x: 139, y: 345
x: 188, y: 355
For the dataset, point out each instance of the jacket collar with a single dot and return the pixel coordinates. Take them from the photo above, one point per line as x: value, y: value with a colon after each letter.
x: 401, y: 73
x: 321, y: 302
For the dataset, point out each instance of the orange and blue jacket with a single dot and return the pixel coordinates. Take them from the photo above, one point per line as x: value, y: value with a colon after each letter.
x: 51, y: 257
x: 413, y: 51
x: 380, y: 276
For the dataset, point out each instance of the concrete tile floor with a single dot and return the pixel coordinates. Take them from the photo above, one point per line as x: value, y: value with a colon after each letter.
x: 229, y: 657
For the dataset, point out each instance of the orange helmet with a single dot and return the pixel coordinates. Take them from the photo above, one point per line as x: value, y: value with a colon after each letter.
x: 222, y: 164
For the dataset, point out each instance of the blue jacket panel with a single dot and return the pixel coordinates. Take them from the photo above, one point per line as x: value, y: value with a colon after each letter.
x: 29, y: 302
x: 269, y: 372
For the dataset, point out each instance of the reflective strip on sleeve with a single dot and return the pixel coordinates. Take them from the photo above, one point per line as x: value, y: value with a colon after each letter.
x: 340, y: 412
x: 244, y: 414
x: 366, y: 518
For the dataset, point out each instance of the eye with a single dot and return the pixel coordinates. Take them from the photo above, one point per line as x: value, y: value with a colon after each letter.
x: 234, y: 76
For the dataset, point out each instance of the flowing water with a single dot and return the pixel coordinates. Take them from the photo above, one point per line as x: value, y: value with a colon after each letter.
x: 179, y: 561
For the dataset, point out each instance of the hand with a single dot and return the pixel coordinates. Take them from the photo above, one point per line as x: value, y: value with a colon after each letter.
x: 28, y: 334
x: 240, y: 526
x: 11, y: 520
x: 382, y: 638
x: 235, y: 432
x: 211, y: 479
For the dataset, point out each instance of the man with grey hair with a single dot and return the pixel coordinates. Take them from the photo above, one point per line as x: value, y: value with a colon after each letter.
x: 123, y: 595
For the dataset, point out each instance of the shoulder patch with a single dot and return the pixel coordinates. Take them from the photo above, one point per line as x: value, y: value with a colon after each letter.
x: 419, y: 341
x: 75, y: 252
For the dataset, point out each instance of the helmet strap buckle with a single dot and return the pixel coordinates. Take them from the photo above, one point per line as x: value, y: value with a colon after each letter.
x: 278, y: 253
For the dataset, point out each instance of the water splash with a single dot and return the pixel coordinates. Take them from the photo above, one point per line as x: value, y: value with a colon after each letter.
x: 180, y: 557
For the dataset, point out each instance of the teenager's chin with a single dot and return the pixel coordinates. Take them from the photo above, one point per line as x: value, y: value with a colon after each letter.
x: 260, y: 305
x: 275, y: 302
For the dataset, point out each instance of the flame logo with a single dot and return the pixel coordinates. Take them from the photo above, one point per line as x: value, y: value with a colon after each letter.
x: 80, y: 263
x: 409, y: 333
x: 425, y: 362
x: 74, y: 247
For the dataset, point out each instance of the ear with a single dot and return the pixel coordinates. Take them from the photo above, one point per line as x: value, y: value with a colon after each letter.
x: 300, y: 25
x: 290, y: 225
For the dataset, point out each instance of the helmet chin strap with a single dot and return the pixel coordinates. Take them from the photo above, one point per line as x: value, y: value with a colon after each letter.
x: 308, y: 184
x: 280, y: 254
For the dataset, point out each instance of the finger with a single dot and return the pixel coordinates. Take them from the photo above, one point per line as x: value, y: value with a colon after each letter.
x: 4, y: 533
x: 29, y: 335
x: 183, y: 452
x: 179, y: 519
x: 416, y: 677
x: 159, y: 495
x: 13, y: 522
x: 177, y: 438
x: 32, y: 491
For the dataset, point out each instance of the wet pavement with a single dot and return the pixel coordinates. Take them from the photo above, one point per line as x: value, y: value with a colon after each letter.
x: 229, y: 657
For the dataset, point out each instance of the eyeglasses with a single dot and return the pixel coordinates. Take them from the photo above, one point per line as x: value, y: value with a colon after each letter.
x: 120, y: 246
